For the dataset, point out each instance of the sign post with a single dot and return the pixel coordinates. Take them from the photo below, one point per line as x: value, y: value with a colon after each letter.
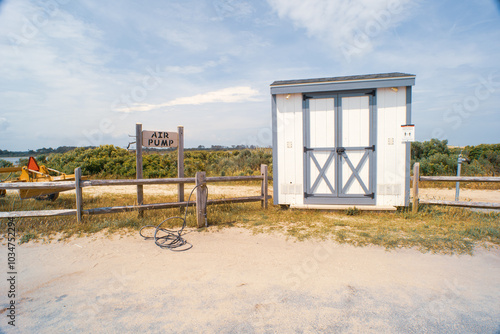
x: 160, y: 139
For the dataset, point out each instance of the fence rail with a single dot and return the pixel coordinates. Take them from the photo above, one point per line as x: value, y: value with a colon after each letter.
x: 460, y: 178
x: 67, y: 185
x: 417, y: 178
x: 201, y: 191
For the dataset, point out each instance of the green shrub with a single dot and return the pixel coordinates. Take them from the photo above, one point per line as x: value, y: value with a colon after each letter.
x: 108, y: 161
x: 436, y: 158
x: 5, y: 163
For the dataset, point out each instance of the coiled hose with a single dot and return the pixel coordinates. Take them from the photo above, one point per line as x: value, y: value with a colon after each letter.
x: 7, y: 178
x: 171, y: 239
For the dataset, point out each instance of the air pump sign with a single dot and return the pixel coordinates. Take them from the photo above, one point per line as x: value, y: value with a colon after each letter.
x: 160, y: 139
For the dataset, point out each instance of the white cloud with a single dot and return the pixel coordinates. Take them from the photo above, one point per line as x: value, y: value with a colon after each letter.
x: 4, y: 124
x: 226, y: 95
x: 64, y: 70
x: 190, y: 69
x: 343, y: 24
x: 48, y: 46
x: 187, y: 38
x: 53, y: 70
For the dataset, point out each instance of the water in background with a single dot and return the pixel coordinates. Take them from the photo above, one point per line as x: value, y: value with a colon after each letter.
x: 14, y: 160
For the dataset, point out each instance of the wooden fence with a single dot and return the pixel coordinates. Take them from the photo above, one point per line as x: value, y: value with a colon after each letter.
x: 201, y: 194
x: 417, y: 178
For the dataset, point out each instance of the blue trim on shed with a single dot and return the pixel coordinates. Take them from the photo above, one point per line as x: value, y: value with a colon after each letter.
x: 371, y: 81
x: 340, y: 86
x: 275, y: 151
x: 408, y: 148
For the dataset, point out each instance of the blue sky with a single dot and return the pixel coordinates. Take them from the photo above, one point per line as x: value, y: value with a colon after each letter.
x: 84, y: 73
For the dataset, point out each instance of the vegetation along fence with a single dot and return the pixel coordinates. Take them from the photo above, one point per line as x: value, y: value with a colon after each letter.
x: 201, y: 194
x: 417, y: 201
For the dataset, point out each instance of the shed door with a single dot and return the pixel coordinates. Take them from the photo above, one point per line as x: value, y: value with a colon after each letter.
x: 339, y: 152
x: 320, y: 150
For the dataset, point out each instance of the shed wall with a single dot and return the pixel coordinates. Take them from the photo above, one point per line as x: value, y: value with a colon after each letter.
x: 290, y: 149
x: 391, y: 151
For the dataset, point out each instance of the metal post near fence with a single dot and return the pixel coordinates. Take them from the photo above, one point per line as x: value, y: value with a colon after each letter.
x: 416, y: 176
x: 180, y: 163
x: 79, y: 195
x: 201, y: 199
x: 457, y: 185
x: 138, y: 166
x: 264, y: 187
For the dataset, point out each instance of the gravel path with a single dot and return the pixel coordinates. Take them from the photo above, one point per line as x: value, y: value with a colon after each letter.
x: 234, y: 282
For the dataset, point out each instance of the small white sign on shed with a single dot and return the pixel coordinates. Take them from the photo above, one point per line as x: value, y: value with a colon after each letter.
x: 161, y: 139
x: 408, y: 133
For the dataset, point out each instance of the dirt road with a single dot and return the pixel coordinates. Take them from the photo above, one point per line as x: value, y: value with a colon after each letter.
x: 235, y: 282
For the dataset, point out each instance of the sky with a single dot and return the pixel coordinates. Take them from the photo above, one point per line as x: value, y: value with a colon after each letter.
x: 83, y: 73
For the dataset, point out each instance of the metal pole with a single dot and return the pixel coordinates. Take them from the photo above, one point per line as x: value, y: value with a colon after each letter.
x: 263, y: 191
x: 457, y: 185
x: 79, y: 196
x: 138, y: 165
x: 180, y: 162
x: 201, y: 199
x: 416, y: 176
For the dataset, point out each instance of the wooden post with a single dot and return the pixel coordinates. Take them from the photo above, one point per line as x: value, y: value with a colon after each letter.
x: 180, y: 163
x: 79, y: 195
x: 138, y: 165
x: 416, y: 177
x: 201, y: 199
x: 263, y: 190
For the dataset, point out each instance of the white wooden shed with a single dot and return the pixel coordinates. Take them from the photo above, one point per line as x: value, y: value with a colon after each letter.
x: 338, y: 142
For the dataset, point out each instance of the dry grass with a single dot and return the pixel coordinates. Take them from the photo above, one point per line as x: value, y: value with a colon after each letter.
x: 434, y: 229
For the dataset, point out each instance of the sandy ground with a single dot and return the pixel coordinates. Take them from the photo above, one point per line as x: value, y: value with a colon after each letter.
x: 244, y: 190
x: 171, y: 190
x: 465, y: 194
x: 235, y: 282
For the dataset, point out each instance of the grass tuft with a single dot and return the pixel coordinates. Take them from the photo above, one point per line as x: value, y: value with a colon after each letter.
x: 352, y: 211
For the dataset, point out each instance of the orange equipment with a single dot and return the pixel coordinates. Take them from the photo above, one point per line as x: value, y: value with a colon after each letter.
x: 35, y: 173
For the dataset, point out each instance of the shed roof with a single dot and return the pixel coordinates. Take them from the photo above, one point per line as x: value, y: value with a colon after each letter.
x: 343, y: 83
x: 346, y: 78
